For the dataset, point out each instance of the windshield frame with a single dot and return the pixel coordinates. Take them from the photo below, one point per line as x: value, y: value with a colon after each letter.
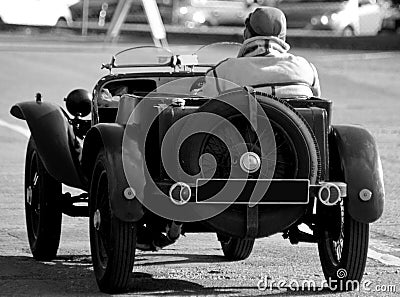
x: 174, y: 62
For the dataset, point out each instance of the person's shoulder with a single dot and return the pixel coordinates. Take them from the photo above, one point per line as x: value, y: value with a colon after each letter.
x: 232, y: 62
x: 298, y: 59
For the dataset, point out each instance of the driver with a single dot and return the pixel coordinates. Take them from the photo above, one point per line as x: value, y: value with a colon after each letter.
x: 264, y: 63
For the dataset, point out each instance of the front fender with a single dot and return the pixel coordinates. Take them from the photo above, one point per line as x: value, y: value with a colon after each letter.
x: 54, y: 140
x: 109, y: 136
x: 362, y: 170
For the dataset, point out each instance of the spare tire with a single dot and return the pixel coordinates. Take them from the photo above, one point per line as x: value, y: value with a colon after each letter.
x: 292, y: 135
x: 297, y: 157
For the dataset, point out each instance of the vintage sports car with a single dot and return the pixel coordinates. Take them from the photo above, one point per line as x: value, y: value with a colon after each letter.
x: 154, y: 158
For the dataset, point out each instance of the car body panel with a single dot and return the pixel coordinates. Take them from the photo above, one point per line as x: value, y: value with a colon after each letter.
x: 108, y: 136
x: 54, y: 140
x: 370, y: 17
x: 37, y: 12
x: 362, y: 171
x: 391, y: 20
x: 101, y: 11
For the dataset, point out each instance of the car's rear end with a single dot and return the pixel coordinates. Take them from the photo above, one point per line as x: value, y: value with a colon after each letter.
x: 243, y: 174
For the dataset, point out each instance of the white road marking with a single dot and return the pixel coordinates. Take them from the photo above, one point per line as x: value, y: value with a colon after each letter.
x: 383, y: 246
x: 16, y: 128
x: 383, y: 255
x: 386, y: 259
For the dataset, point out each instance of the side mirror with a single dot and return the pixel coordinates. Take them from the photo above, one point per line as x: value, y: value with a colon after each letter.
x: 79, y: 103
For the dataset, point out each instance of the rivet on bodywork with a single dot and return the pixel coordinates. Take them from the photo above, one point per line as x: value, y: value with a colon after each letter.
x: 365, y: 194
x: 129, y: 193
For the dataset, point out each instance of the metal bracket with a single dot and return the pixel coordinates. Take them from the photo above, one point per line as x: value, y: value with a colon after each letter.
x: 252, y: 222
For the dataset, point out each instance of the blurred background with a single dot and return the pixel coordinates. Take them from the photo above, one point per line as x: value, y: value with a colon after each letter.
x: 345, y: 18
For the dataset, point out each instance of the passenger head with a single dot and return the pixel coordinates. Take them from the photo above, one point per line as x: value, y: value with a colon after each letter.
x: 265, y: 21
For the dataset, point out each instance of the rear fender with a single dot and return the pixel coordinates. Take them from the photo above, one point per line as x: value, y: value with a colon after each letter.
x: 54, y: 139
x: 109, y: 136
x: 362, y: 170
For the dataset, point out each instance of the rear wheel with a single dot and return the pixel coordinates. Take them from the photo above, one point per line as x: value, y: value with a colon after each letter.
x: 236, y: 249
x: 42, y: 207
x: 112, y: 241
x: 343, y: 247
x: 61, y: 23
x: 348, y: 32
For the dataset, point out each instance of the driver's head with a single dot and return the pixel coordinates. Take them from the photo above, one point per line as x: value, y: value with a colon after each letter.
x: 266, y: 21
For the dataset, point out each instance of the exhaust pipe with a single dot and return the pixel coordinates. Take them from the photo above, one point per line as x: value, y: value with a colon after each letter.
x: 180, y: 193
x: 330, y: 194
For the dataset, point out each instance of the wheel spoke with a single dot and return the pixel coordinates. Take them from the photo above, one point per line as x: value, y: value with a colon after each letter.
x: 35, y: 179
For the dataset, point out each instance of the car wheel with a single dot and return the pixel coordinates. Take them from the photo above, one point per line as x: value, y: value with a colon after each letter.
x: 42, y: 207
x: 236, y: 249
x: 342, y: 246
x: 112, y: 241
x: 348, y: 32
x: 61, y: 23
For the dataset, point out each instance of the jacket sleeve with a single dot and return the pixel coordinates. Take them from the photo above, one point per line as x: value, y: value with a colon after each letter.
x: 315, y: 87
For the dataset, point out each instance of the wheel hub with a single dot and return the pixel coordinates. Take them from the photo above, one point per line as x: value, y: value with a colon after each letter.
x: 250, y: 162
x: 97, y: 219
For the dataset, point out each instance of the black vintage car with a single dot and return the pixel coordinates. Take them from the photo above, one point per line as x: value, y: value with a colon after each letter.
x: 157, y: 159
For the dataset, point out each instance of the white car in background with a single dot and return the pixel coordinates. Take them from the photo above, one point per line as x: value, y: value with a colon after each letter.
x: 193, y: 13
x: 341, y: 17
x: 350, y: 18
x: 36, y: 12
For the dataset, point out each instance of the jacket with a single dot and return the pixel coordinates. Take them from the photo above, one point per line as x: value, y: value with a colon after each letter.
x: 264, y: 64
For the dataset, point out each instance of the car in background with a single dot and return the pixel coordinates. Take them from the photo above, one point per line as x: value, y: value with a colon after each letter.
x: 193, y: 13
x: 391, y: 21
x: 35, y: 12
x: 343, y: 17
x: 101, y: 11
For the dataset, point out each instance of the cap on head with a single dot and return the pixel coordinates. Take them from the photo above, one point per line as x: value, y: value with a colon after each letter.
x: 266, y: 21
